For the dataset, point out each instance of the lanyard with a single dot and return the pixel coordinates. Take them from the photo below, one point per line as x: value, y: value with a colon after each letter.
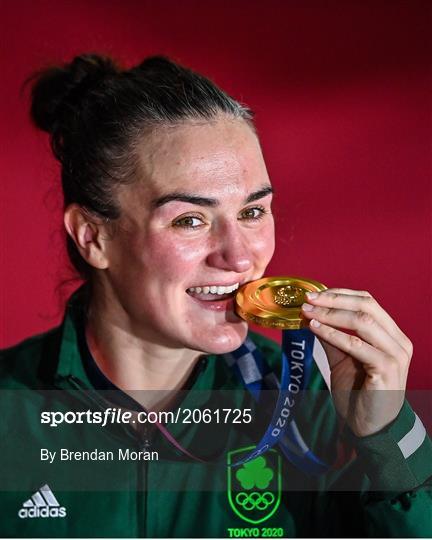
x: 255, y: 374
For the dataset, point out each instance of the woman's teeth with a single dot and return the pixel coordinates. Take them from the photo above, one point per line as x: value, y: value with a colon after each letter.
x: 214, y: 289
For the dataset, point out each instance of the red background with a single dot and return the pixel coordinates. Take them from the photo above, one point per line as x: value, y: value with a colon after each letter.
x: 342, y: 94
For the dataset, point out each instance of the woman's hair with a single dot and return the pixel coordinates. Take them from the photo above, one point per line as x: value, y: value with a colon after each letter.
x: 97, y: 114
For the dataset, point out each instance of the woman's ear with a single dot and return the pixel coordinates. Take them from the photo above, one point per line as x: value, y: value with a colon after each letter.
x: 88, y: 235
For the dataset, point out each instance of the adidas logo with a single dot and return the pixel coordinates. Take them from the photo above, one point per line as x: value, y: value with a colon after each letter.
x: 42, y: 504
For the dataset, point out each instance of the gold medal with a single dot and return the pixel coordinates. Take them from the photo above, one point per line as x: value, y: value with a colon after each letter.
x: 275, y: 302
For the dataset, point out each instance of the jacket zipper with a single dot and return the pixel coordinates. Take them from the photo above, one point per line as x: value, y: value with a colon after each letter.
x: 144, y: 446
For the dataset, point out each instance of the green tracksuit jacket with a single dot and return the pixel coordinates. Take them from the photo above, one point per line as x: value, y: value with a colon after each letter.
x: 383, y: 491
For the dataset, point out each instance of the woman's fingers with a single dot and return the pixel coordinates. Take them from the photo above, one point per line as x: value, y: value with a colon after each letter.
x: 361, y: 322
x: 351, y: 292
x: 363, y: 302
x: 375, y: 361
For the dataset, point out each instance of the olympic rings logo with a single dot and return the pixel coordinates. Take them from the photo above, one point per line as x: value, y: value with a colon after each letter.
x: 255, y: 500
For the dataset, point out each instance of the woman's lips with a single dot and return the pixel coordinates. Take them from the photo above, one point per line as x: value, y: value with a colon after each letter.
x: 214, y: 302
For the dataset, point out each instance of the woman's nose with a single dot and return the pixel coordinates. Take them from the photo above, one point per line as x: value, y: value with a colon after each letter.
x: 232, y: 252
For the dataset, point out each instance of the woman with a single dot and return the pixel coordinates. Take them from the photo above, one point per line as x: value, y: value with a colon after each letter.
x: 167, y: 213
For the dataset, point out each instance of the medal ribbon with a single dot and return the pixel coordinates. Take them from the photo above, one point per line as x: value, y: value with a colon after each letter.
x: 254, y: 372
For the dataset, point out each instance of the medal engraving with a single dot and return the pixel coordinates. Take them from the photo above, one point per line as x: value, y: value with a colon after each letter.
x: 288, y: 296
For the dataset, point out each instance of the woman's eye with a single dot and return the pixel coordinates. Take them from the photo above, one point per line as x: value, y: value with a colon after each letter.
x: 255, y: 213
x: 188, y: 222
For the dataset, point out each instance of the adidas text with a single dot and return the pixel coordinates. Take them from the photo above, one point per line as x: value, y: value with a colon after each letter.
x: 42, y: 512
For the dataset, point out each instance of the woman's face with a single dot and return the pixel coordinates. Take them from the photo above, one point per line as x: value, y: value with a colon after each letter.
x: 195, y: 226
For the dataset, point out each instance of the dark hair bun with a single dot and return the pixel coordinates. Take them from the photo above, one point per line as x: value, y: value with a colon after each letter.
x: 57, y: 87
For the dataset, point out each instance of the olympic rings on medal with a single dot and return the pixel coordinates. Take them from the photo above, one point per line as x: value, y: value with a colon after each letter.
x: 254, y: 500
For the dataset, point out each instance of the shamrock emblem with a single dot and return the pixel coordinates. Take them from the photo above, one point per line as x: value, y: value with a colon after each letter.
x: 255, y: 473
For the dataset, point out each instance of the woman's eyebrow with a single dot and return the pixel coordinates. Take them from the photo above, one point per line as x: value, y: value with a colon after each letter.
x: 184, y: 197
x: 206, y: 201
x: 263, y: 192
